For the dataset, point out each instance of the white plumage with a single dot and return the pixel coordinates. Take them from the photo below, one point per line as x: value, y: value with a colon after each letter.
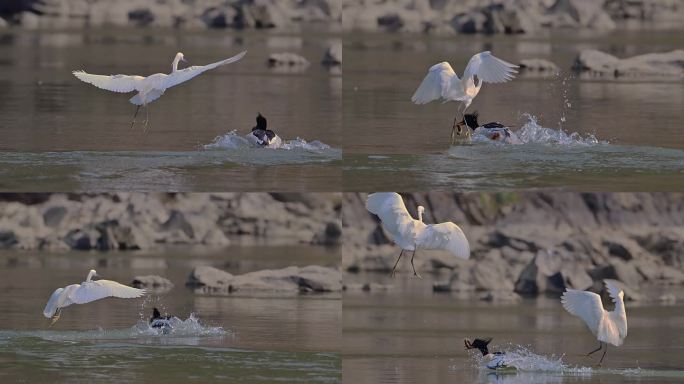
x: 411, y: 234
x: 442, y: 83
x: 152, y: 87
x: 86, y: 292
x: 608, y: 327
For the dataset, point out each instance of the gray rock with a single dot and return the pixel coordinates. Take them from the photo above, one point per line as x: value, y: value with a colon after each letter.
x: 292, y: 279
x: 8, y: 239
x: 668, y: 64
x: 80, y: 240
x: 219, y: 17
x: 206, y: 276
x: 288, y: 59
x: 53, y: 216
x: 501, y: 297
x: 141, y: 17
x: 152, y: 282
x: 539, y: 65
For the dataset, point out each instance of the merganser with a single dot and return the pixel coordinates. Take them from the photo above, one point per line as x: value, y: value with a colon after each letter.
x: 493, y: 131
x: 263, y: 137
x: 161, y: 322
x: 495, y: 360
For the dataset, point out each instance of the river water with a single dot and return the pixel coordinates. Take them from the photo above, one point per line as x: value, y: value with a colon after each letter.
x: 408, y: 334
x: 254, y: 338
x: 68, y: 135
x: 585, y: 133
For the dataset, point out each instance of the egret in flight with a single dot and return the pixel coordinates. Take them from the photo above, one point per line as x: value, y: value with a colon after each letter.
x: 87, y: 291
x: 411, y: 234
x: 152, y: 87
x: 442, y: 83
x: 608, y: 327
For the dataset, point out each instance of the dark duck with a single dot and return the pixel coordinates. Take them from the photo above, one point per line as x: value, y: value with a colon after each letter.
x: 262, y: 136
x: 493, y: 131
x: 493, y: 360
x: 161, y: 322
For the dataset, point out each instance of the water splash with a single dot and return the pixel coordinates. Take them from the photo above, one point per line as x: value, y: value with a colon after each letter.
x: 191, y: 327
x: 232, y: 140
x: 533, y: 132
x: 526, y: 360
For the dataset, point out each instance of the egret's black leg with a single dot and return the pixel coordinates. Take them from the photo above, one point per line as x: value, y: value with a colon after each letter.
x: 604, y: 355
x: 597, y: 349
x: 147, y: 118
x: 414, y: 267
x: 134, y: 116
x: 395, y: 264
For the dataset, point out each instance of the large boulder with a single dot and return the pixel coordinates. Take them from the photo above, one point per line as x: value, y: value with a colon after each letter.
x: 152, y: 282
x: 666, y: 64
x: 291, y: 279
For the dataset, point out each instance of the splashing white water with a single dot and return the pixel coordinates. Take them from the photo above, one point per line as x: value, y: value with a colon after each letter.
x: 523, y: 359
x: 232, y: 140
x: 533, y: 132
x: 177, y: 327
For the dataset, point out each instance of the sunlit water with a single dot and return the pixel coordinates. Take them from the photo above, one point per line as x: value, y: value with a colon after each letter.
x: 47, y: 115
x: 409, y: 334
x: 248, y: 338
x: 601, y: 134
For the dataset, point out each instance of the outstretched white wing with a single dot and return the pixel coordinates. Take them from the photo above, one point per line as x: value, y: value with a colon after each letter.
x: 445, y: 236
x: 489, y: 68
x: 51, y: 306
x: 99, y: 289
x: 618, y: 316
x: 186, y: 74
x: 390, y: 208
x: 114, y: 83
x: 585, y: 305
x: 440, y: 82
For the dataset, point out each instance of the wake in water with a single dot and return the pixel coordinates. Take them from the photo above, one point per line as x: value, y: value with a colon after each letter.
x: 524, y: 360
x: 191, y: 327
x: 533, y: 133
x: 232, y: 140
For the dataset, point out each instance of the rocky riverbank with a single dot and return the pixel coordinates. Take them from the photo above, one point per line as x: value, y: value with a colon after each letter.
x: 451, y: 17
x: 126, y: 221
x: 532, y: 243
x: 182, y: 14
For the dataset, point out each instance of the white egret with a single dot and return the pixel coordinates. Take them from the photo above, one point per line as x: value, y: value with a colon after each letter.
x: 442, y: 83
x: 87, y: 291
x: 411, y: 234
x: 152, y: 87
x: 608, y: 327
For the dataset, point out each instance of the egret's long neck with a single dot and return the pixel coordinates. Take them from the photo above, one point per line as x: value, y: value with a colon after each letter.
x: 175, y: 63
x: 420, y: 216
x: 90, y: 275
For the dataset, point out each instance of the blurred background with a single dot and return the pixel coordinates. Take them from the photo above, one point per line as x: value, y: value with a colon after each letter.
x: 259, y: 271
x: 526, y: 249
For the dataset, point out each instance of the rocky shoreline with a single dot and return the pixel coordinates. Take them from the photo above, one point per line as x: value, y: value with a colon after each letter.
x: 532, y: 243
x: 180, y: 14
x: 125, y: 221
x: 445, y: 17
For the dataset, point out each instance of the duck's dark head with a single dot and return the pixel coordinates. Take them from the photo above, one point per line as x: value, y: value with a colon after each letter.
x: 480, y: 344
x: 261, y: 123
x: 155, y: 314
x: 470, y: 121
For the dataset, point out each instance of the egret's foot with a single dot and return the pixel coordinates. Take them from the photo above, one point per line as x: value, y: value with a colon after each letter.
x: 417, y: 275
x: 54, y: 319
x: 393, y: 273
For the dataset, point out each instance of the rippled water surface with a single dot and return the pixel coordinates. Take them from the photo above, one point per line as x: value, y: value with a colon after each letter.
x: 408, y: 334
x: 389, y: 143
x: 249, y: 338
x: 45, y: 110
